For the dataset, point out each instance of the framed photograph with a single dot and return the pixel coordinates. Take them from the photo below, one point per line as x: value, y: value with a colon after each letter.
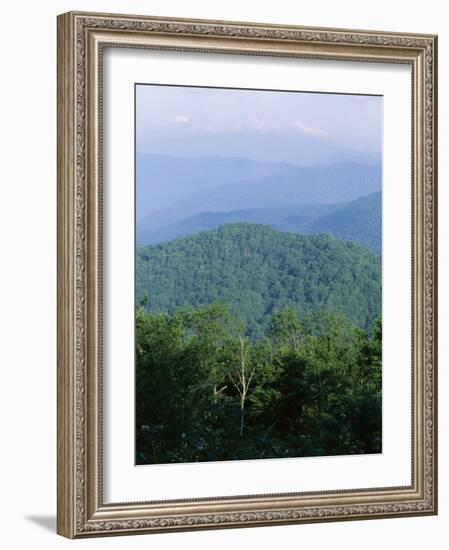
x: 247, y: 248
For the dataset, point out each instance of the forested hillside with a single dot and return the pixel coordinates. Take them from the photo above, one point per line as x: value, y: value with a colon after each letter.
x: 259, y: 271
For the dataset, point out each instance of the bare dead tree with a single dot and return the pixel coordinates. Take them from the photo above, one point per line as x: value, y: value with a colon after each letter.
x: 241, y: 378
x: 217, y: 391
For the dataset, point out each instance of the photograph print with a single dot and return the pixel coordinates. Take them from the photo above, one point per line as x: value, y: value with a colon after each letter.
x: 258, y: 274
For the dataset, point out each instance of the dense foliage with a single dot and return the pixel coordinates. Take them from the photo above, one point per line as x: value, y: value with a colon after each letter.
x: 259, y: 271
x: 310, y: 386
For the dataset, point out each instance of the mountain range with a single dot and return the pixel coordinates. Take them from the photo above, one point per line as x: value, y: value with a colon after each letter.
x: 359, y: 220
x: 177, y: 196
x: 163, y: 180
x: 295, y: 148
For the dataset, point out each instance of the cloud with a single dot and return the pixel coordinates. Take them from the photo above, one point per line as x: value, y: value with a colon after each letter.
x: 307, y: 129
x: 248, y: 123
x: 257, y: 123
x: 180, y: 119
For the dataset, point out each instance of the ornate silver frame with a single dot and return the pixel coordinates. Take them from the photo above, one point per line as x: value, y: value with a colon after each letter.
x: 81, y: 38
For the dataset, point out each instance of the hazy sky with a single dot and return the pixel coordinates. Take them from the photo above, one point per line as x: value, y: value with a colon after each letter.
x: 276, y: 126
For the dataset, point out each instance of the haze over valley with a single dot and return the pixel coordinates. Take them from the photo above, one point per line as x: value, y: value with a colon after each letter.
x: 178, y: 197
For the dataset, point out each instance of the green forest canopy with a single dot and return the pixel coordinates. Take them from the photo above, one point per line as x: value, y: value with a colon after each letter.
x: 258, y: 271
x: 254, y: 343
x: 311, y: 386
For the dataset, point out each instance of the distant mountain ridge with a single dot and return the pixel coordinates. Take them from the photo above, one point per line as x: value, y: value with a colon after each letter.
x: 278, y: 218
x: 295, y: 148
x: 161, y: 179
x: 359, y: 221
x: 259, y: 270
x: 294, y: 185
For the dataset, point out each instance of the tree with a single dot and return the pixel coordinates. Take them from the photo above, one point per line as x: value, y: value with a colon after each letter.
x: 241, y: 371
x: 311, y: 386
x: 286, y: 329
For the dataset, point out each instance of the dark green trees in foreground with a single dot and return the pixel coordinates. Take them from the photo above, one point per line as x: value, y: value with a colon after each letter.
x: 310, y: 386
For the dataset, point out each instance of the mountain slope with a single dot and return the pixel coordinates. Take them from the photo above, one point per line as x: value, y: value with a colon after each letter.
x: 159, y: 179
x: 295, y: 185
x: 258, y: 271
x: 284, y: 218
x: 360, y: 221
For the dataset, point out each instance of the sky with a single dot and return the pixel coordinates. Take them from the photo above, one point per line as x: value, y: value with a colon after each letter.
x: 275, y: 126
